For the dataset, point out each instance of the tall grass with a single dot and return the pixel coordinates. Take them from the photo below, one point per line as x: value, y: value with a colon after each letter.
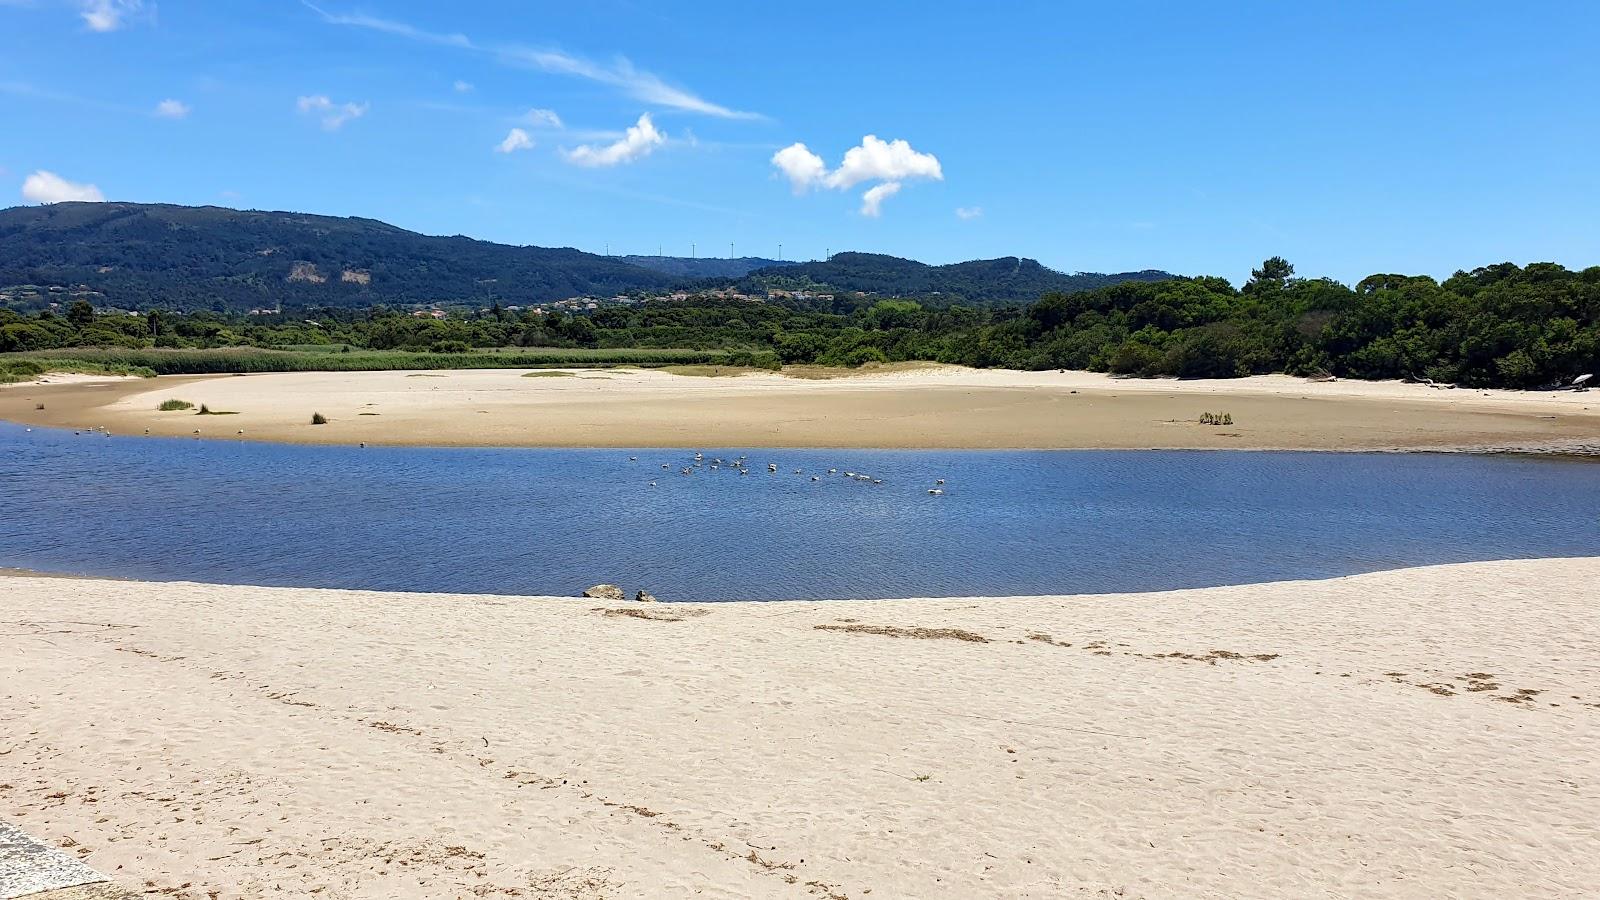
x: 249, y: 360
x: 16, y: 367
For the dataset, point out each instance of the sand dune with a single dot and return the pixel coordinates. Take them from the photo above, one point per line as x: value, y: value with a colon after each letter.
x: 1419, y: 733
x: 923, y: 408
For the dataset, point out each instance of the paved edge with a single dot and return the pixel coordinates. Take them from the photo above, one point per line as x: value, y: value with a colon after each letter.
x: 32, y: 869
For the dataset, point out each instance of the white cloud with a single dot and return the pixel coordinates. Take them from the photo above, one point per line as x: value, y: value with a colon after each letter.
x: 890, y: 163
x: 542, y: 118
x: 803, y: 168
x: 172, y: 109
x: 969, y: 212
x: 876, y: 160
x: 334, y: 115
x: 639, y: 141
x: 516, y: 140
x: 872, y: 200
x: 621, y: 74
x: 109, y: 15
x: 48, y: 187
x: 462, y: 87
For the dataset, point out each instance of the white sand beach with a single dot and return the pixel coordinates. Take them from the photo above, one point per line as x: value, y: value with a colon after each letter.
x: 925, y: 406
x: 1418, y: 733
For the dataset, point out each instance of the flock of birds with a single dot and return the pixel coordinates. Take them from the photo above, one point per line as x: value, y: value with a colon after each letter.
x: 739, y: 464
x: 102, y: 430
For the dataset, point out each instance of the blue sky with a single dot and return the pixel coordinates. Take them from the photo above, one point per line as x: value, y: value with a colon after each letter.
x: 1350, y: 137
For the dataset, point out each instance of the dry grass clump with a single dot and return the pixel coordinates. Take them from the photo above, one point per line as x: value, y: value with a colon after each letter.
x: 650, y: 615
x: 174, y: 405
x: 710, y: 371
x: 928, y: 634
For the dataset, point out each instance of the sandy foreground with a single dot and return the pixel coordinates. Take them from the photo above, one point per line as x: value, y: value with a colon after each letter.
x: 932, y: 407
x: 1419, y: 733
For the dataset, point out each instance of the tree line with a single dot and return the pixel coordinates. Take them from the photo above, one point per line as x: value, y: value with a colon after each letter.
x: 1500, y: 325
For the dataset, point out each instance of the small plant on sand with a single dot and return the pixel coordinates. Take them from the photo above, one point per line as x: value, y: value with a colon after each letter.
x: 318, y: 419
x: 174, y: 405
x: 38, y: 406
x: 1211, y: 418
x: 208, y: 411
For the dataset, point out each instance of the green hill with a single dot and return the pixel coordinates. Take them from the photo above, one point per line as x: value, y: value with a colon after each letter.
x: 139, y: 255
x: 704, y: 267
x: 1009, y: 279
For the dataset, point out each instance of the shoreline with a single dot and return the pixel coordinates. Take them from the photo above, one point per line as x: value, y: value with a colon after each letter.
x: 19, y: 572
x: 923, y: 408
x: 1265, y: 740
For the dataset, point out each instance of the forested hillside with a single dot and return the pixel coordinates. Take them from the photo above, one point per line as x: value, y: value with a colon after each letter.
x: 688, y: 267
x: 139, y: 256
x: 979, y: 282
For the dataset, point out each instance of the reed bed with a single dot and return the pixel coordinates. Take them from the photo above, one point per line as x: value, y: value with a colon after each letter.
x: 251, y: 360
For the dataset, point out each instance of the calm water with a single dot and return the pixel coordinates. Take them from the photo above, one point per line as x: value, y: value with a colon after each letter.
x: 556, y: 521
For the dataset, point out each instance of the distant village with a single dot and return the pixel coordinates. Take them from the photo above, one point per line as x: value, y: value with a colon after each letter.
x: 580, y: 305
x: 58, y: 297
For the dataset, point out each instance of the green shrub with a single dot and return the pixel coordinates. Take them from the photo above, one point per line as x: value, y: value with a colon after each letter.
x: 175, y: 405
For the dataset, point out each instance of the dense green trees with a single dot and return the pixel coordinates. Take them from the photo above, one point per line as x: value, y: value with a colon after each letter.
x: 1500, y: 325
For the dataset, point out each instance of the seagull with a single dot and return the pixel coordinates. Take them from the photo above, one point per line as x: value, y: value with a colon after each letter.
x: 935, y: 491
x: 939, y: 481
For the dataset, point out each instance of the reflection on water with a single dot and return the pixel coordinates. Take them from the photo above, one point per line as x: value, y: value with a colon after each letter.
x: 556, y: 521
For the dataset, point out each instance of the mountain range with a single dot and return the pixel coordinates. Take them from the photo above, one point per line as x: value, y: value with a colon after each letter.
x: 137, y: 256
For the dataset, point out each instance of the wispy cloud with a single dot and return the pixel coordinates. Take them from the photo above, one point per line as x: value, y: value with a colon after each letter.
x: 389, y: 26
x: 541, y: 118
x: 172, y: 109
x: 109, y: 15
x: 516, y: 140
x: 969, y: 212
x: 640, y: 140
x: 48, y: 187
x: 462, y: 87
x: 333, y: 115
x: 620, y: 74
x: 34, y: 92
